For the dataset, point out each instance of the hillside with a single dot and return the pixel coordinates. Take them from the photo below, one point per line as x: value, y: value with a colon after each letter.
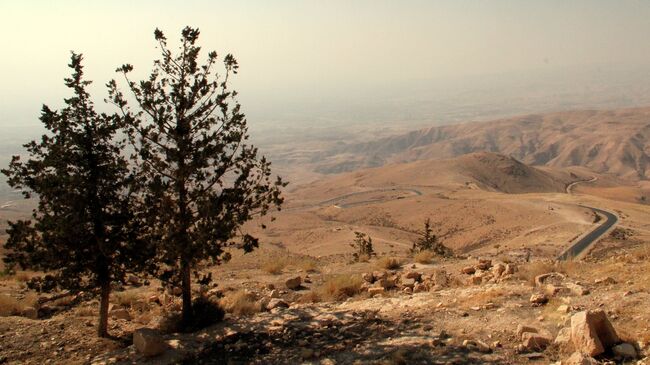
x: 484, y: 170
x: 613, y: 142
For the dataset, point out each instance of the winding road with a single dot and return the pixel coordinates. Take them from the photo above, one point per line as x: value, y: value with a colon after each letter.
x: 587, y: 240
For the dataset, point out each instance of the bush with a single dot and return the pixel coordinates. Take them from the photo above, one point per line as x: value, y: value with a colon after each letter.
x: 363, y: 245
x: 240, y: 303
x: 429, y: 242
x: 274, y: 267
x: 341, y: 287
x: 424, y: 257
x: 388, y: 263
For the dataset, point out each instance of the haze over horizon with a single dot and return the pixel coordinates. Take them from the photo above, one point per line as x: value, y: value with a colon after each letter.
x: 340, y: 61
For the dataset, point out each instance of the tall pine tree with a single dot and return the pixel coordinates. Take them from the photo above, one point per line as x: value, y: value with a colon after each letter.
x: 83, y: 232
x: 202, y: 179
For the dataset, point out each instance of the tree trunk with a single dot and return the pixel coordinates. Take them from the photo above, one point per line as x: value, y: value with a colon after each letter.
x: 105, y: 286
x: 186, y: 285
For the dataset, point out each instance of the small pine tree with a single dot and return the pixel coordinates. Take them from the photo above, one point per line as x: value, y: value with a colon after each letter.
x: 429, y: 242
x: 362, y: 245
x: 83, y: 230
x: 201, y: 178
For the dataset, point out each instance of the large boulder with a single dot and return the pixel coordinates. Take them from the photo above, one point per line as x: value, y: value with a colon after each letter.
x: 149, y: 342
x: 592, y: 333
x: 293, y: 283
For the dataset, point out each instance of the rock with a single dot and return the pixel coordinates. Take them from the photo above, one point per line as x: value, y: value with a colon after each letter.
x: 276, y: 303
x: 386, y: 283
x: 578, y: 358
x: 368, y: 277
x: 153, y: 299
x: 376, y: 290
x: 563, y: 308
x: 419, y: 288
x: 409, y: 283
x: 577, y: 289
x: 510, y: 269
x: 379, y: 275
x: 29, y: 312
x: 133, y: 280
x: 440, y: 278
x: 484, y: 264
x: 625, y: 351
x: 469, y: 270
x: 176, y: 291
x: 306, y: 353
x: 293, y: 283
x: 498, y: 269
x: 407, y: 290
x: 120, y: 314
x: 605, y: 281
x: 552, y: 290
x: 535, y: 341
x: 538, y: 299
x: 412, y: 275
x: 549, y: 278
x: 149, y: 342
x: 274, y: 294
x: 521, y: 329
x: 475, y: 280
x: 592, y: 333
x: 563, y: 337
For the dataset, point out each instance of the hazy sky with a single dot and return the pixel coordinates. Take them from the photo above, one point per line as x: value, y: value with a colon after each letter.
x: 295, y: 50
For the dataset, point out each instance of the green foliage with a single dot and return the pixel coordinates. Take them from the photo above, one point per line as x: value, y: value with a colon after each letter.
x: 429, y: 242
x: 201, y: 179
x: 83, y: 230
x: 362, y: 245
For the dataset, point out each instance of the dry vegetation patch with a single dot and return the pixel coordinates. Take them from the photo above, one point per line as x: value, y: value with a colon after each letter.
x: 388, y: 263
x: 340, y: 287
x: 424, y: 257
x: 240, y: 303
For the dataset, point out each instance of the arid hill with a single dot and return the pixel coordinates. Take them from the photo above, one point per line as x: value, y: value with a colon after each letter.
x: 484, y: 170
x: 613, y: 142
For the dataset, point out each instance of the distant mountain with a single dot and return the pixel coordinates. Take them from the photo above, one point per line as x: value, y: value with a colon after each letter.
x: 614, y: 142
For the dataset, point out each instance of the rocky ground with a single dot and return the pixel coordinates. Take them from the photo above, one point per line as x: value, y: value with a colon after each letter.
x: 498, y: 309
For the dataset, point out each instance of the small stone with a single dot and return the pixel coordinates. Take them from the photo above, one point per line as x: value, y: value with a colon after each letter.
x: 274, y: 294
x: 577, y: 358
x: 293, y: 283
x: 149, y: 342
x: 563, y: 308
x: 120, y: 314
x: 535, y: 341
x: 376, y: 290
x: 625, y: 351
x: 469, y: 270
x: 538, y: 299
x: 276, y: 303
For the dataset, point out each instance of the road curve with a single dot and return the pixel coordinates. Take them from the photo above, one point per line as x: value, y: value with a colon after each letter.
x: 590, y: 238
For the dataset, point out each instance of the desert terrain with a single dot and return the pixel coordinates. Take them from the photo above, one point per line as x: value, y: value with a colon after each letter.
x: 507, y: 197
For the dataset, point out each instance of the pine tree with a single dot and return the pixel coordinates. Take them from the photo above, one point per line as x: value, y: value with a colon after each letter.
x: 429, y: 242
x: 202, y: 179
x: 83, y: 232
x: 362, y: 244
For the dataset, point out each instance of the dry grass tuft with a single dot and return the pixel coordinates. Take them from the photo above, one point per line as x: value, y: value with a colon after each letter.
x: 388, y: 263
x: 309, y: 297
x: 240, y: 303
x: 341, y: 287
x: 274, y: 267
x: 424, y: 257
x: 127, y: 299
x: 9, y: 306
x: 307, y: 264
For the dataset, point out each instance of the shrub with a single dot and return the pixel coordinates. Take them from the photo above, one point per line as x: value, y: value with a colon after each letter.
x: 429, y: 242
x: 127, y: 298
x: 341, y: 287
x: 274, y: 267
x: 388, y: 263
x: 363, y: 246
x: 424, y: 257
x: 240, y: 303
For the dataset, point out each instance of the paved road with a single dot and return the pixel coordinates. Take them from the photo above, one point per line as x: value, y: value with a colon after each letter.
x: 590, y: 238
